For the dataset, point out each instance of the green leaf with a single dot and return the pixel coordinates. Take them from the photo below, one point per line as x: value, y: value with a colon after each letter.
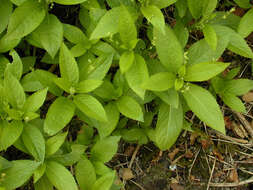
x: 64, y: 84
x: 209, y: 7
x: 85, y: 173
x: 204, y: 71
x: 160, y: 82
x: 181, y: 7
x: 14, y: 91
x: 4, y: 164
x: 69, y: 2
x: 101, y: 168
x: 5, y: 13
x: 16, y: 67
x: 130, y: 108
x: 7, y: 44
x: 106, y: 128
x: 134, y: 135
x: 107, y: 25
x: 105, y: 182
x: 99, y: 68
x: 34, y: 142
x: 68, y: 66
x: 60, y: 177
x: 233, y: 102
x: 54, y: 143
x: 90, y: 106
x: 19, y: 173
x: 89, y: 85
x: 25, y: 19
x: 243, y: 3
x: 28, y: 63
x: 50, y: 34
x: 169, y: 49
x: 74, y: 34
x: 9, y: 133
x: 35, y: 101
x: 204, y: 105
x: 169, y: 126
x: 99, y: 152
x: 210, y: 36
x: 127, y: 29
x: 181, y: 32
x: 59, y: 115
x: 154, y: 15
x: 126, y: 61
x: 43, y: 184
x: 162, y: 3
x: 238, y: 87
x: 39, y: 172
x: 246, y: 24
x: 170, y: 97
x: 195, y: 7
x: 136, y: 75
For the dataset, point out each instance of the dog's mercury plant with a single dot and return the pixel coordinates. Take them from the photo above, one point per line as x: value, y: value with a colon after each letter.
x: 122, y: 69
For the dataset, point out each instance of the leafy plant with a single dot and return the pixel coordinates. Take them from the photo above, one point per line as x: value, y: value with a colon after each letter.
x: 124, y: 71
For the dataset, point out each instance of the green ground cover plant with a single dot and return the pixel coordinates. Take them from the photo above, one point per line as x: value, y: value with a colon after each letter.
x: 122, y: 69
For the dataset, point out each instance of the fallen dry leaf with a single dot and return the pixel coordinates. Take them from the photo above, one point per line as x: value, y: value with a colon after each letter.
x: 126, y: 174
x: 248, y: 97
x: 233, y: 176
x: 176, y: 186
x: 173, y: 153
x: 193, y: 138
x: 189, y: 154
x: 228, y: 122
x: 238, y: 131
x: 129, y: 150
x: 218, y: 154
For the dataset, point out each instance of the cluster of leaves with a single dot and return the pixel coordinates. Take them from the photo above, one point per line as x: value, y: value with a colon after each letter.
x: 121, y: 69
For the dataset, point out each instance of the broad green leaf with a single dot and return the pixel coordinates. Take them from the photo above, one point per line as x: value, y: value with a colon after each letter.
x: 126, y: 61
x: 9, y: 133
x: 85, y: 173
x: 134, y: 135
x: 90, y: 106
x: 232, y: 73
x: 19, y: 173
x: 204, y: 71
x: 160, y: 82
x: 99, y: 152
x: 195, y: 7
x: 35, y: 101
x: 246, y: 24
x: 169, y: 126
x: 130, y: 108
x: 238, y: 87
x: 208, y: 7
x: 170, y: 97
x: 106, y: 128
x: 74, y: 34
x: 243, y: 3
x: 79, y: 49
x: 181, y: 32
x: 39, y: 172
x: 28, y: 63
x: 34, y: 142
x: 64, y: 84
x: 169, y: 49
x: 60, y: 177
x: 136, y: 75
x: 18, y: 2
x: 107, y: 25
x: 236, y: 42
x: 204, y: 105
x: 101, y: 168
x: 88, y: 85
x: 7, y: 44
x: 4, y: 164
x: 105, y: 182
x: 154, y: 15
x: 50, y: 34
x: 85, y: 135
x: 5, y: 13
x: 25, y: 19
x: 68, y: 159
x: 162, y: 3
x: 43, y: 184
x: 59, y: 115
x: 127, y: 28
x: 181, y: 7
x: 54, y: 143
x: 68, y: 66
x: 99, y: 68
x: 210, y: 36
x: 16, y: 67
x: 14, y: 91
x: 69, y: 2
x: 233, y: 102
x: 107, y: 91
